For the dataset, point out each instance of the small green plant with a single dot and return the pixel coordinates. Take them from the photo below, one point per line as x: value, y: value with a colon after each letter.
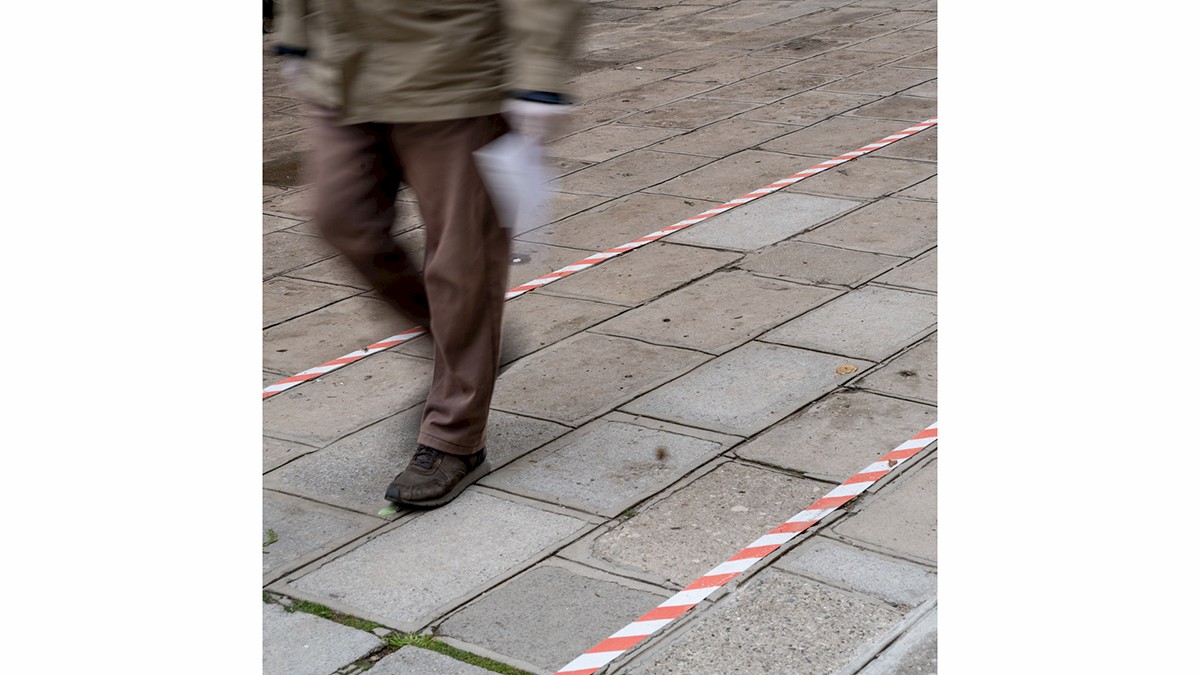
x: 327, y: 613
x: 271, y: 538
x: 396, y: 641
x: 433, y: 644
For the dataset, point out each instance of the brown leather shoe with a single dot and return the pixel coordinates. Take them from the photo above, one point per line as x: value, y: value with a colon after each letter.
x: 433, y: 477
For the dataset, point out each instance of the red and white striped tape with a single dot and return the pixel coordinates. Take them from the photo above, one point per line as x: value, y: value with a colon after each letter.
x: 597, y: 258
x: 651, y: 622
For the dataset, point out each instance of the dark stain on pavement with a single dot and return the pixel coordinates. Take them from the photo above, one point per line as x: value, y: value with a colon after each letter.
x: 284, y: 172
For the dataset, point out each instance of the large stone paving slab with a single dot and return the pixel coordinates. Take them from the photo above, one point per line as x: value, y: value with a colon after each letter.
x: 276, y: 453
x: 807, y: 108
x: 534, y: 260
x: 770, y: 87
x: 690, y: 114
x: 842, y: 63
x: 587, y: 375
x: 618, y: 221
x: 295, y: 643
x: 765, y: 221
x: 898, y: 582
x: 323, y: 410
x: 836, y: 136
x: 816, y: 264
x: 550, y: 614
x: 901, y: 227
x: 920, y: 274
x: 628, y: 173
x: 906, y: 42
x: 901, y: 108
x: 717, y: 313
x: 536, y: 320
x: 694, y: 529
x: 607, y: 142
x: 299, y: 531
x: 869, y: 323
x: 724, y: 138
x: 776, y: 624
x: 913, y: 653
x: 926, y: 189
x: 354, y: 472
x: 882, y: 81
x: 747, y: 389
x: 840, y: 435
x: 921, y: 146
x: 275, y: 223
x: 901, y: 518
x: 284, y: 251
x: 285, y: 298
x: 650, y: 95
x: 913, y: 375
x: 733, y: 176
x: 867, y: 177
x: 421, y: 568
x: 411, y: 660
x: 328, y: 333
x: 729, y: 71
x: 642, y: 274
x: 610, y: 464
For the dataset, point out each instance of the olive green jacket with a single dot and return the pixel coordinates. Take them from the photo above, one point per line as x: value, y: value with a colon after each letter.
x: 428, y: 60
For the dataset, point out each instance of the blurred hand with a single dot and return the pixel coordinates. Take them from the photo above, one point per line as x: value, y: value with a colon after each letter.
x: 533, y: 120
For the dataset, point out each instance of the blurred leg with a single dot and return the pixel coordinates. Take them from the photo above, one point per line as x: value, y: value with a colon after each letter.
x: 467, y: 255
x: 357, y: 178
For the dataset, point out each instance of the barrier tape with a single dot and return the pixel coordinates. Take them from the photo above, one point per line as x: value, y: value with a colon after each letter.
x: 597, y: 258
x: 677, y: 605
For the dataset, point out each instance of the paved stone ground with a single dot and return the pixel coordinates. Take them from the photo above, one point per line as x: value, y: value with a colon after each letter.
x: 662, y: 410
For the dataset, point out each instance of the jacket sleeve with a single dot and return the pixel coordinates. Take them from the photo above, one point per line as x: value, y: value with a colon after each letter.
x: 543, y: 35
x: 292, y: 27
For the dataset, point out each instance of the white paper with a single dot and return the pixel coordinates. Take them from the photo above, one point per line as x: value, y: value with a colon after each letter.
x: 513, y: 169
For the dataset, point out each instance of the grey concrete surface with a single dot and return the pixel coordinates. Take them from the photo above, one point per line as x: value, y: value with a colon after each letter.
x: 914, y: 653
x: 747, y: 389
x: 416, y: 661
x: 839, y: 435
x: 319, y: 412
x: 295, y: 531
x: 409, y: 574
x: 615, y: 369
x: 607, y: 466
x: 912, y: 375
x: 766, y: 221
x: 900, y: 583
x: 736, y: 307
x: 635, y: 277
x: 632, y: 454
x: 870, y: 323
x: 775, y: 624
x: 692, y: 530
x: 902, y: 518
x: 818, y: 265
x: 295, y: 643
x: 551, y: 613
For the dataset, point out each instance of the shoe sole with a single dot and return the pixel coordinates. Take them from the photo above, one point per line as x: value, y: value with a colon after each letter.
x: 479, y: 472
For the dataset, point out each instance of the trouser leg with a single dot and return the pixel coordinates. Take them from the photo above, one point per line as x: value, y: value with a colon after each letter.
x: 357, y: 177
x: 467, y: 255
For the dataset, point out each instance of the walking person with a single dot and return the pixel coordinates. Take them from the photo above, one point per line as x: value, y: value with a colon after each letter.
x: 405, y: 91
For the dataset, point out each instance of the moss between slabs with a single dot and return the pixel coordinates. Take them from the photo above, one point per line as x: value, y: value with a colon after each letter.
x: 396, y: 641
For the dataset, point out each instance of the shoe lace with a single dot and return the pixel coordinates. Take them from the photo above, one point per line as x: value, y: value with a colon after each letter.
x: 425, y: 456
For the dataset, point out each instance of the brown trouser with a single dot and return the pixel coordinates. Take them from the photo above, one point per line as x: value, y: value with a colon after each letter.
x: 460, y: 299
